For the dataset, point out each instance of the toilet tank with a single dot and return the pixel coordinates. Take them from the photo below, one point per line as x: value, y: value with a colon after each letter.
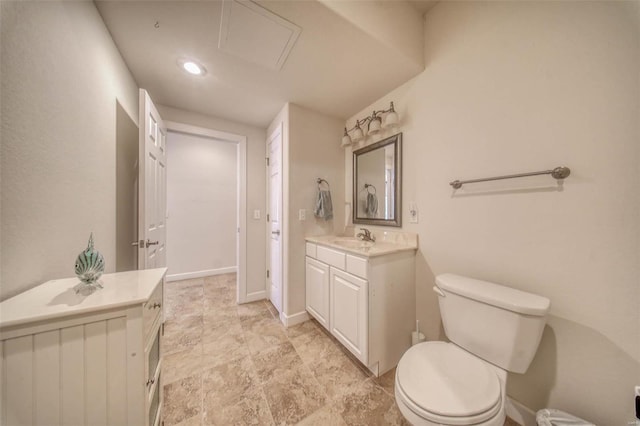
x: 499, y: 324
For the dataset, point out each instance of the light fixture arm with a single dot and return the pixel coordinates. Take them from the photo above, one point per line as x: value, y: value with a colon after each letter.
x: 374, y: 114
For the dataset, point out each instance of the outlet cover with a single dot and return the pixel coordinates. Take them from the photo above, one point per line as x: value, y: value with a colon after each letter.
x: 413, y: 213
x: 302, y: 214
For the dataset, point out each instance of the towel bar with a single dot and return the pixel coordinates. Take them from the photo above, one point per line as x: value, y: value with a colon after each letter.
x: 557, y: 173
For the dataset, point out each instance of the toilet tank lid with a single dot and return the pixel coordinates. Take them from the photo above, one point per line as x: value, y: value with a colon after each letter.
x: 495, y: 294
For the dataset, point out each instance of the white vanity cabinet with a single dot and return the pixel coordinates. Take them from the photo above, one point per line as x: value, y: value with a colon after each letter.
x: 70, y: 358
x: 317, y: 286
x: 367, y: 302
x: 348, y: 312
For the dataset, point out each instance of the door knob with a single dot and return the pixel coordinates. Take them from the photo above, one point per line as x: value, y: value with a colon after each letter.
x: 139, y: 243
x: 276, y: 232
x: 152, y: 243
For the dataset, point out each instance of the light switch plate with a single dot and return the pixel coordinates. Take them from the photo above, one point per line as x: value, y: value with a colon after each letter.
x: 302, y: 214
x: 256, y: 214
x: 413, y: 213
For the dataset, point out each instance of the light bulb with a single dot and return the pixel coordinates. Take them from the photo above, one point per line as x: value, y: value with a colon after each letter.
x: 357, y: 134
x: 346, y: 140
x: 374, y: 125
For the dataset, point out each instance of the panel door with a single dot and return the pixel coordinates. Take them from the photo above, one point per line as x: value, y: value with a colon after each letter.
x: 317, y: 290
x: 349, y: 317
x: 152, y: 186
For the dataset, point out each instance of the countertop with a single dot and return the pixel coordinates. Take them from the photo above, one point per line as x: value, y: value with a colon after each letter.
x: 386, y: 243
x: 58, y: 298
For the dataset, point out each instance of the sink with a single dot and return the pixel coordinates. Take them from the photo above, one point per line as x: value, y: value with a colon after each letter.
x: 352, y: 243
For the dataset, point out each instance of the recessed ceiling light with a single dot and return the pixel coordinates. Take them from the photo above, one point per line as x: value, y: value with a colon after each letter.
x: 192, y: 67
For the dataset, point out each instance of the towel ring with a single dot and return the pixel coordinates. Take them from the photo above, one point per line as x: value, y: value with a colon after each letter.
x: 320, y: 181
x: 367, y: 186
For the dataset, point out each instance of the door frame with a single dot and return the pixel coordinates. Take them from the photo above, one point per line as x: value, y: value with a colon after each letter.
x: 241, y: 142
x: 283, y: 264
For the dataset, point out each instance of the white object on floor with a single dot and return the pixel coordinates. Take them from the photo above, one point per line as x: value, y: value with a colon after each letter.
x: 553, y: 417
x: 493, y: 329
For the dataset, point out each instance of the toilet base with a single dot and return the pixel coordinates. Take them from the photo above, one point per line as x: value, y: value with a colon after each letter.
x: 415, y: 420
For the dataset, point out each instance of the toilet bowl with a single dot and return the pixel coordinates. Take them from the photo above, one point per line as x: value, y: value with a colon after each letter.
x: 440, y: 383
x: 493, y: 329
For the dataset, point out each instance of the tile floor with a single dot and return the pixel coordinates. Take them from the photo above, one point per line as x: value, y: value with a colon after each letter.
x: 228, y: 364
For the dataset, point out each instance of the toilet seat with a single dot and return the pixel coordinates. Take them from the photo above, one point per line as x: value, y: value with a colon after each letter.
x: 444, y: 384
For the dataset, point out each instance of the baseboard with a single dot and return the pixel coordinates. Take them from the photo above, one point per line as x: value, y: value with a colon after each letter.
x: 520, y: 413
x: 297, y: 318
x: 255, y: 296
x: 200, y: 274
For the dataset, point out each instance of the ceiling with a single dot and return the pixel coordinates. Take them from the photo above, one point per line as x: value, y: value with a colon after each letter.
x: 334, y: 67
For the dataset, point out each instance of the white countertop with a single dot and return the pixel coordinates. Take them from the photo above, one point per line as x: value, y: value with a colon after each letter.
x: 58, y: 298
x: 381, y: 247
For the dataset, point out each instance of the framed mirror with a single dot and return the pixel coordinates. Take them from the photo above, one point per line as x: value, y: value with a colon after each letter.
x: 377, y: 177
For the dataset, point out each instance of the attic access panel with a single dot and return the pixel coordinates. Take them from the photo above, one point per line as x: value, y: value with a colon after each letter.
x: 253, y: 33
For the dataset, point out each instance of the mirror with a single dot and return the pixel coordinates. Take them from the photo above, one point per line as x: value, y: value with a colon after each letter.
x: 377, y: 174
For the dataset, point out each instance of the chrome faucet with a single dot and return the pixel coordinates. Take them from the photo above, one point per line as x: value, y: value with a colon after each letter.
x: 365, y: 235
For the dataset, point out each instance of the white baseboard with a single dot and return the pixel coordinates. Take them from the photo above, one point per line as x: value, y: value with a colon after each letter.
x: 291, y: 320
x: 255, y: 296
x: 520, y: 413
x: 200, y: 274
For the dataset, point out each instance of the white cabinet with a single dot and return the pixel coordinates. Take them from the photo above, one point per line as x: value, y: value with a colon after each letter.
x: 317, y: 296
x: 349, y: 312
x: 70, y: 358
x: 366, y: 302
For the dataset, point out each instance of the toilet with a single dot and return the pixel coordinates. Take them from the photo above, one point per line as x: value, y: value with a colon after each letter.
x: 493, y: 329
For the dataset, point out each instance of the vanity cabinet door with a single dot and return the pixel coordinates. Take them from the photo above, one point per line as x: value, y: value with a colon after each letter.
x: 349, y: 312
x: 317, y: 294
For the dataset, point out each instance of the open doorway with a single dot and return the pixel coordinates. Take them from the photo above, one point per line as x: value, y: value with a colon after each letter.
x: 206, y: 203
x: 126, y: 191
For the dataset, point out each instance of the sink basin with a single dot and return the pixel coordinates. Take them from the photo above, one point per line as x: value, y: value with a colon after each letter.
x: 352, y: 243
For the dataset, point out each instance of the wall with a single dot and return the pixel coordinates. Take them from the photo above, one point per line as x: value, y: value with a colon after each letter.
x: 60, y: 76
x: 256, y: 254
x: 311, y: 150
x: 202, y: 202
x: 522, y: 86
x: 314, y: 152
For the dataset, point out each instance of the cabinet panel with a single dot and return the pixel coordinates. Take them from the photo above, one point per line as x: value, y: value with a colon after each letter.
x: 357, y: 266
x: 310, y: 249
x: 332, y: 257
x: 47, y: 373
x: 349, y: 312
x: 317, y: 294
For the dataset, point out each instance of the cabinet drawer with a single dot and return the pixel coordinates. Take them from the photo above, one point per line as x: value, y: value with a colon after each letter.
x: 357, y: 266
x: 311, y: 250
x: 152, y: 309
x: 332, y: 257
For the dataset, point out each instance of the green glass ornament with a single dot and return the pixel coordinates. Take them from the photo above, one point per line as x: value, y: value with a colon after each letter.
x: 89, y: 264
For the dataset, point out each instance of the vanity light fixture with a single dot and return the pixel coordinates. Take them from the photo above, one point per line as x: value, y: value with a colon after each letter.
x: 374, y: 124
x: 192, y: 67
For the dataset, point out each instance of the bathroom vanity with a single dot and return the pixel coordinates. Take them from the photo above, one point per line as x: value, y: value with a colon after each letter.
x: 70, y: 358
x: 363, y: 293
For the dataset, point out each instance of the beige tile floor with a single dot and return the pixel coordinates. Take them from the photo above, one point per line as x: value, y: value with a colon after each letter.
x: 228, y: 364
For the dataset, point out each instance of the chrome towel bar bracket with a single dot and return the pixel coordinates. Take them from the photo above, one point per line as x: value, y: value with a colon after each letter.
x: 557, y: 173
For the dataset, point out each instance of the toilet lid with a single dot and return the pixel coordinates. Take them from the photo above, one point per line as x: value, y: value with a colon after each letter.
x: 443, y: 379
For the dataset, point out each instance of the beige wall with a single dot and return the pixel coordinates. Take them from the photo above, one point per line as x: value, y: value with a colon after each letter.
x: 309, y: 152
x: 60, y: 76
x: 522, y: 86
x: 314, y: 152
x: 256, y: 255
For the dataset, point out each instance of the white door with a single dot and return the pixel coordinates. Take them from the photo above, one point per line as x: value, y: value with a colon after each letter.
x: 317, y: 290
x: 152, y: 184
x: 275, y: 218
x: 349, y: 312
